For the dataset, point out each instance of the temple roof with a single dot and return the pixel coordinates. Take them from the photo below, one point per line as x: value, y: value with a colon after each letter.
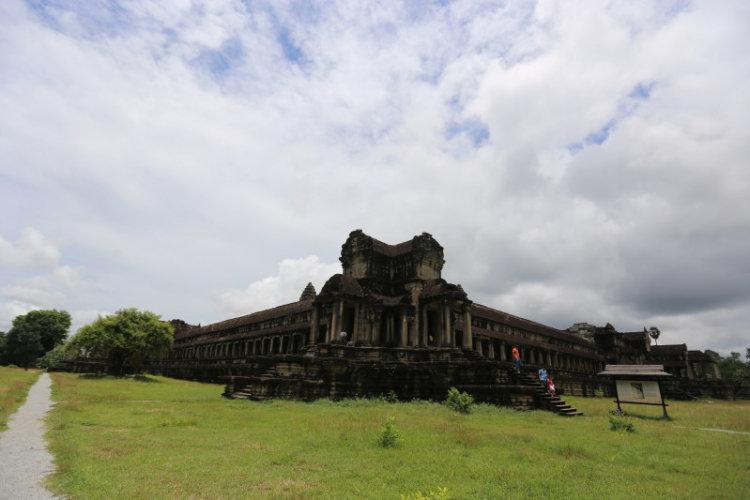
x: 276, y: 312
x: 635, y: 336
x: 669, y: 349
x: 699, y: 357
x: 525, y: 324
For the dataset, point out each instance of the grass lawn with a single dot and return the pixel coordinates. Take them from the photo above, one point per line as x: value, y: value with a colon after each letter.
x: 14, y: 386
x: 154, y: 437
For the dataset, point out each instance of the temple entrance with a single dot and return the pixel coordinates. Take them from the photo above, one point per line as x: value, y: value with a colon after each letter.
x: 347, y: 321
x: 322, y: 333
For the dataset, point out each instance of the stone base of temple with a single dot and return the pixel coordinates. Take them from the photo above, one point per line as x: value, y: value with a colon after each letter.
x: 338, y: 372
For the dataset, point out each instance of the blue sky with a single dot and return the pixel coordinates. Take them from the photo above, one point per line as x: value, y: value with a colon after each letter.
x: 579, y: 161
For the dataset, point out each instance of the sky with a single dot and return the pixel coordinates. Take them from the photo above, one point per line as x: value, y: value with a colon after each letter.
x: 579, y: 161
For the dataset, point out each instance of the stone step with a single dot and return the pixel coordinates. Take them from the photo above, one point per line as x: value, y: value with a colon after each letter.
x: 573, y: 413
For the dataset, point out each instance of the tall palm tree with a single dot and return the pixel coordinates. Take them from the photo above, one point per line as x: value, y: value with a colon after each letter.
x: 654, y: 333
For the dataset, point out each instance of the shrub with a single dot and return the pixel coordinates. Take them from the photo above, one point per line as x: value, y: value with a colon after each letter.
x: 620, y: 424
x: 457, y: 401
x: 391, y: 397
x: 442, y: 494
x: 599, y: 394
x: 388, y: 435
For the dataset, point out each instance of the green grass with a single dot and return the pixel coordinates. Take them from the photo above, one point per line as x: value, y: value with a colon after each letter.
x: 14, y: 386
x: 128, y: 438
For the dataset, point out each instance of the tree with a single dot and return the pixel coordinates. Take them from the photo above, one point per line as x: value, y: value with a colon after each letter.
x: 127, y: 337
x: 23, y: 347
x: 654, y: 333
x: 55, y: 356
x: 34, y: 334
x: 734, y: 372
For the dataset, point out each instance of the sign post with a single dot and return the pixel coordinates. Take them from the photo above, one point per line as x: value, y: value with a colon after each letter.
x: 638, y: 384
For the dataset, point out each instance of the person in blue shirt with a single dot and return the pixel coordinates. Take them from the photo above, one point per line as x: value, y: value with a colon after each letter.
x: 543, y: 377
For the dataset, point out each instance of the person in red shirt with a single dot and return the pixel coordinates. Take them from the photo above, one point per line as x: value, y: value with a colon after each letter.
x: 517, y: 358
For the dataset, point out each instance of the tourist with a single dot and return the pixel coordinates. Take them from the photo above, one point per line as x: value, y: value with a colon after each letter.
x: 343, y: 337
x: 517, y: 359
x: 551, y: 386
x: 430, y: 340
x: 543, y: 377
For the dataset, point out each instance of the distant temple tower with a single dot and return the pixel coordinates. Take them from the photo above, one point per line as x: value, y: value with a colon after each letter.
x: 308, y: 293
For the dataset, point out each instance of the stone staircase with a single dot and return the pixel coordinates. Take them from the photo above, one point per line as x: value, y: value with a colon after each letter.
x: 550, y: 403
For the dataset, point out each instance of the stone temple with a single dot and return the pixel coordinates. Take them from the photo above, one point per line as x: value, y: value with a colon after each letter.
x: 389, y: 324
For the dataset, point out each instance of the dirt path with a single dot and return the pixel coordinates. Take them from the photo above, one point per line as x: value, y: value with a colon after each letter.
x: 24, y: 459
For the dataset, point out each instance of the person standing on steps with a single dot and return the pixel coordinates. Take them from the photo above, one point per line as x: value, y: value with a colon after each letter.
x: 517, y: 359
x: 551, y: 386
x: 543, y: 377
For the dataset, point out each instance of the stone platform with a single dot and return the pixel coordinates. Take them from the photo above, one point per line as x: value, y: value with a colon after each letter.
x: 337, y: 371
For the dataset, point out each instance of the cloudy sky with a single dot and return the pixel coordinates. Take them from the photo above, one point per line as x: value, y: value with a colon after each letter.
x: 579, y: 161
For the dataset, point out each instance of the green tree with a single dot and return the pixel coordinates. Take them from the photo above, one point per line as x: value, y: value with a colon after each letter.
x: 34, y: 334
x: 654, y: 333
x: 127, y: 337
x: 53, y: 357
x: 734, y: 372
x: 23, y: 347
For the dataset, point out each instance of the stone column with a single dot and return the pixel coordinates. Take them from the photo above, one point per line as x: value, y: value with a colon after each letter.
x: 467, y: 328
x: 355, y: 334
x: 404, y: 329
x: 423, y: 333
x: 314, y: 324
x: 446, y: 324
x: 338, y: 309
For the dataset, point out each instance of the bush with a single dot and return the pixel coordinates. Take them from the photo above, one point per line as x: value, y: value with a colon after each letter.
x: 620, y: 424
x: 460, y: 402
x: 391, y: 397
x: 599, y: 394
x: 388, y: 435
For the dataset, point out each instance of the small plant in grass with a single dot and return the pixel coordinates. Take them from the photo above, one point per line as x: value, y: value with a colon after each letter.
x: 442, y: 494
x: 620, y: 424
x: 458, y: 401
x: 599, y: 394
x: 388, y: 435
x: 391, y: 397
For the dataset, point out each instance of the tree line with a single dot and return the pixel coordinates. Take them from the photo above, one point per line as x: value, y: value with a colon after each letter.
x: 126, y: 338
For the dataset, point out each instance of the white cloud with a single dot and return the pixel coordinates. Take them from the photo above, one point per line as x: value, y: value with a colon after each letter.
x: 284, y: 288
x: 9, y: 310
x: 31, y: 250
